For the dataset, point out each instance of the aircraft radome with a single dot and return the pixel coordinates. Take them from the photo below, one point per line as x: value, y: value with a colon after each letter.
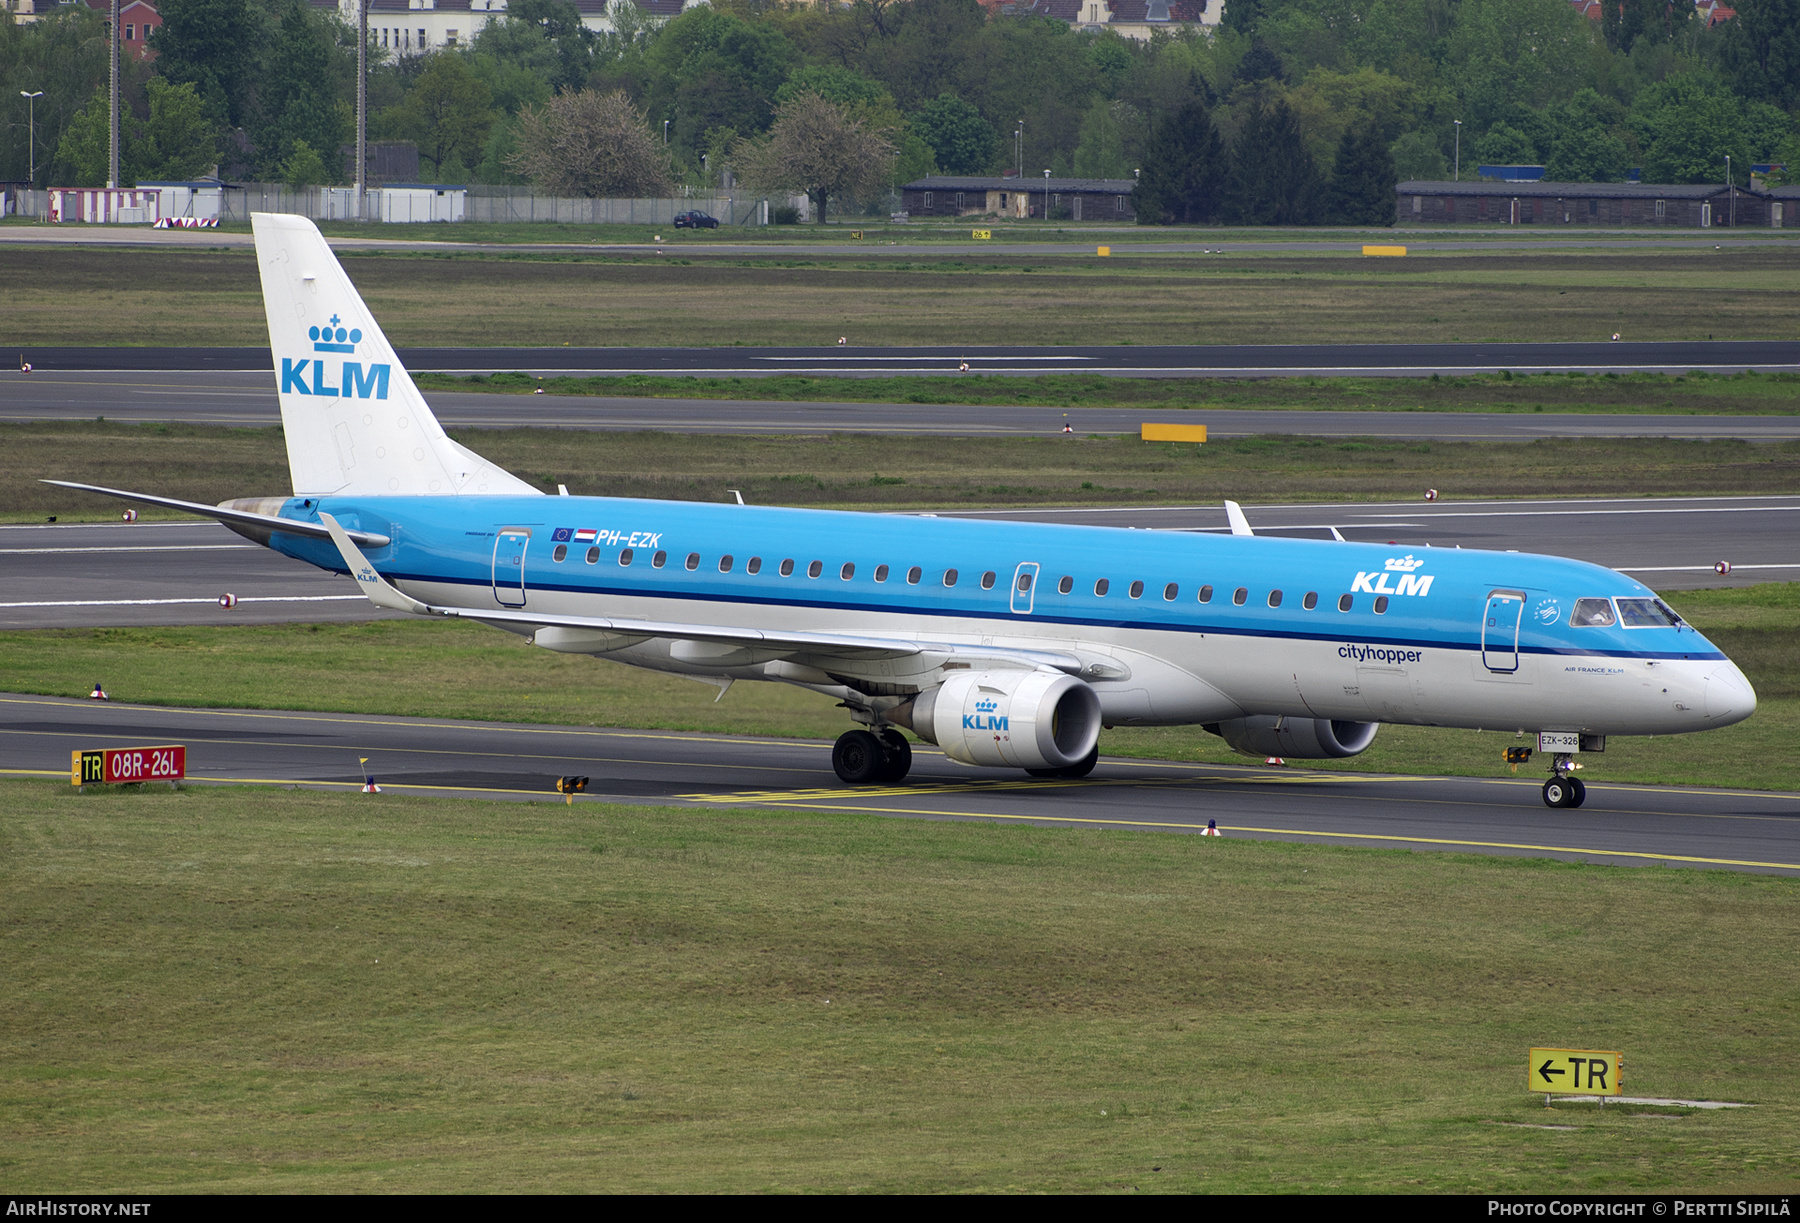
x: 1006, y: 644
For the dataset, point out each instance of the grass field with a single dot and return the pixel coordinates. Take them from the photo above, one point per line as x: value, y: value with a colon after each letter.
x: 1695, y: 394
x: 266, y: 991
x: 192, y: 296
x: 856, y: 471
x: 437, y: 669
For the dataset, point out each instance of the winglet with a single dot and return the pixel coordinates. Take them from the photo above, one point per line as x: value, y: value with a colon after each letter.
x: 381, y: 592
x: 1240, y: 525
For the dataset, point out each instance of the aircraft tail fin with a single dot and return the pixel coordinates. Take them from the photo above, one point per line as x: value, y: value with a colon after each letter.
x: 355, y: 423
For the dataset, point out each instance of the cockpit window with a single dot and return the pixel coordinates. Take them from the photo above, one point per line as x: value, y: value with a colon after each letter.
x: 1592, y: 613
x: 1646, y: 613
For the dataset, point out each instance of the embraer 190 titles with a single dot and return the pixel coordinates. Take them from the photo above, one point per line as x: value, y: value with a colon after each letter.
x: 1006, y: 644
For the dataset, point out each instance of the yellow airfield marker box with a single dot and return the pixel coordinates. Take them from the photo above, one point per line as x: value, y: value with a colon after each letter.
x: 1173, y: 433
x: 1384, y: 250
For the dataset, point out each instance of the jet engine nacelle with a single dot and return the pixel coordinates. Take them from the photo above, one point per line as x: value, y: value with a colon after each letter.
x: 1013, y: 719
x: 1300, y: 738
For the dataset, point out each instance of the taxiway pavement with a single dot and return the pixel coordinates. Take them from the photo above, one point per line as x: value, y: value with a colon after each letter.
x: 1621, y: 823
x: 247, y: 400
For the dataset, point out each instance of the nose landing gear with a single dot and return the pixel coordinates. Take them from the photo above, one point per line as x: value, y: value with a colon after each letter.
x: 1563, y: 790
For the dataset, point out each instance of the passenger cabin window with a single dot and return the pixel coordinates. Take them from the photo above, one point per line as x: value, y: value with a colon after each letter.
x: 625, y: 556
x: 1346, y: 602
x: 753, y: 566
x: 1274, y: 598
x: 1240, y: 596
x: 1206, y: 594
x: 1592, y: 613
x: 1136, y: 590
x: 1101, y: 587
x: 725, y: 564
x: 1381, y: 605
x: 987, y: 580
x: 1311, y: 600
x: 693, y: 561
x: 1024, y: 581
x: 561, y: 553
x: 949, y: 577
x: 1170, y: 591
x: 787, y: 568
x: 847, y: 572
x: 815, y: 569
x: 659, y: 560
x: 593, y: 556
x: 913, y: 575
x: 881, y: 572
x: 1647, y: 613
x: 1066, y: 585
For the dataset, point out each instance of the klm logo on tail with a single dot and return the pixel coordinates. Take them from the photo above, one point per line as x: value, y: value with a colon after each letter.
x: 353, y: 382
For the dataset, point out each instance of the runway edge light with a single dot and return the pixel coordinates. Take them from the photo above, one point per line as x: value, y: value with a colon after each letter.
x: 1584, y: 1072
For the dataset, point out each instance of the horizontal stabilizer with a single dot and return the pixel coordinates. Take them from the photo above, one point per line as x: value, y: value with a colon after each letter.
x: 230, y: 517
x: 380, y: 591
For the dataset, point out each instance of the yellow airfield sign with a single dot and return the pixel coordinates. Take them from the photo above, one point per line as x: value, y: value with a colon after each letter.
x: 1585, y: 1072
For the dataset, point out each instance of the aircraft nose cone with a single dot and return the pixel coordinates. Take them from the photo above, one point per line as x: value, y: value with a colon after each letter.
x: 1729, y: 697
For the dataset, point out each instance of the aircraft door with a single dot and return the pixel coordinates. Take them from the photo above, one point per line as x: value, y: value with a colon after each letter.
x: 509, y: 566
x: 1024, y: 588
x: 1500, y: 630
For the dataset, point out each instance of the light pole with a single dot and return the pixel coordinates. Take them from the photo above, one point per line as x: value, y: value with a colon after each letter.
x: 1731, y: 190
x: 31, y: 131
x: 665, y: 131
x: 1046, y: 195
x: 1458, y: 170
x: 112, y: 152
x: 1018, y: 147
x: 362, y: 109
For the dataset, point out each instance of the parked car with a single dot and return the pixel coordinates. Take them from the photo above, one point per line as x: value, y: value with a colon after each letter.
x: 695, y: 220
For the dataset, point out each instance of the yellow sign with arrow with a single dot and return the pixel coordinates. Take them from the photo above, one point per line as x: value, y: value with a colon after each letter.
x: 1586, y: 1072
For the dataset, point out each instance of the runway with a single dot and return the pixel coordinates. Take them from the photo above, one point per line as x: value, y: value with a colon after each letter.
x: 1112, y: 360
x: 247, y: 400
x: 1621, y: 824
x: 159, y: 573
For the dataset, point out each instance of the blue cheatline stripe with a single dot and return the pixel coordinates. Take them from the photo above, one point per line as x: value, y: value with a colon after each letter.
x: 1224, y: 630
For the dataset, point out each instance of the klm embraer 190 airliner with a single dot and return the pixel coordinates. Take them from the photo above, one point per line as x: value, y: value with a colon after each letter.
x: 1006, y: 644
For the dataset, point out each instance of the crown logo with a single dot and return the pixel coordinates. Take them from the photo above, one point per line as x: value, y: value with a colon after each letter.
x: 986, y: 706
x: 334, y: 338
x: 1404, y: 564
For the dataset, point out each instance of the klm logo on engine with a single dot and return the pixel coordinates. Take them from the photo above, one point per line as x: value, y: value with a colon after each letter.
x: 307, y: 375
x: 1383, y: 581
x: 985, y: 717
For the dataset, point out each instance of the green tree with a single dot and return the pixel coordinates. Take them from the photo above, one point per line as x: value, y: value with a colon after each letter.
x: 818, y: 147
x: 1362, y: 180
x: 961, y: 141
x: 177, y: 142
x: 1419, y: 157
x: 214, y: 45
x: 297, y: 95
x: 1504, y: 145
x: 1687, y: 125
x: 63, y: 56
x: 1104, y: 135
x: 708, y: 70
x: 304, y: 167
x: 1274, y: 180
x: 591, y: 144
x: 1584, y: 148
x: 83, y: 153
x: 1504, y: 53
x: 1761, y: 50
x: 571, y: 44
x: 1185, y: 170
x: 447, y: 113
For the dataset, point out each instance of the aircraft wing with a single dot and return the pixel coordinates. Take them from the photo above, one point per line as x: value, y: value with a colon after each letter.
x: 609, y: 632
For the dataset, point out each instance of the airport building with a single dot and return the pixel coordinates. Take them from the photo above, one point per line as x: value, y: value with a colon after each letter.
x: 1635, y: 205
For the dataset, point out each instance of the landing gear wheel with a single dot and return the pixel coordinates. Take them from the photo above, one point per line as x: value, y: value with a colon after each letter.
x: 899, y: 756
x: 1579, y: 795
x: 1560, y: 792
x: 1081, y: 768
x: 857, y: 758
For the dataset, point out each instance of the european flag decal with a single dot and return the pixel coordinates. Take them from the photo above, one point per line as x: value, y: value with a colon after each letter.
x: 561, y: 535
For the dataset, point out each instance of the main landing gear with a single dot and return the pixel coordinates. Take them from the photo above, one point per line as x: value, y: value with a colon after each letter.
x: 862, y: 758
x: 1563, y: 790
